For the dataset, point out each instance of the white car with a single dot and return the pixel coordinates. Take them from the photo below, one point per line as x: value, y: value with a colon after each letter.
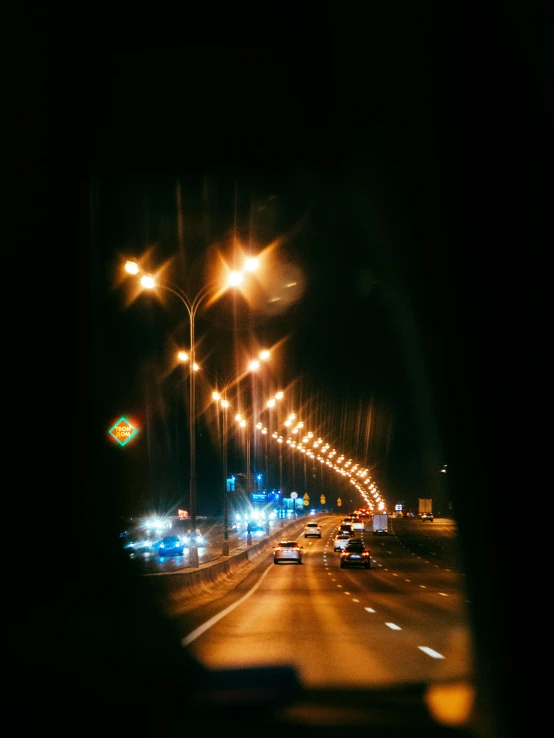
x: 312, y: 529
x: 287, y: 551
x: 341, y: 539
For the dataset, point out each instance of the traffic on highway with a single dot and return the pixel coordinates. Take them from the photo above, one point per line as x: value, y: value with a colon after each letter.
x: 405, y: 613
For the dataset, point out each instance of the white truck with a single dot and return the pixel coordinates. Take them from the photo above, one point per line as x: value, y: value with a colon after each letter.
x: 380, y: 524
x: 425, y: 506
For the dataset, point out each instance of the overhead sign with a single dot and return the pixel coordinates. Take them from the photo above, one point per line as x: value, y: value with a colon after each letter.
x: 339, y: 502
x: 322, y: 499
x: 123, y: 431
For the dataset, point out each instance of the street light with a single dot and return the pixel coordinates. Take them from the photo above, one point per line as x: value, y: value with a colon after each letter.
x: 254, y: 366
x: 211, y: 288
x: 221, y: 397
x: 264, y: 431
x: 244, y: 424
x: 271, y: 403
x: 224, y: 404
x: 280, y: 442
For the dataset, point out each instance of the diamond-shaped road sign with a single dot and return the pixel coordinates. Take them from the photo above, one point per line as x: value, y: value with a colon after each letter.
x: 123, y: 431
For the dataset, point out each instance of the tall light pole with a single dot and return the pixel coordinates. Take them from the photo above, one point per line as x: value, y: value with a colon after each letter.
x: 254, y: 366
x: 221, y: 397
x: 271, y: 403
x: 211, y: 288
x: 224, y: 404
x: 244, y: 424
x: 280, y: 442
x: 263, y: 430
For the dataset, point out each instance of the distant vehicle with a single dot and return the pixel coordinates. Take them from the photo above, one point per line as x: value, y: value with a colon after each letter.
x: 287, y: 551
x: 427, y: 516
x: 255, y: 527
x: 171, y: 546
x: 381, y: 524
x: 346, y: 528
x: 355, y: 554
x: 313, y: 530
x: 358, y: 524
x: 425, y: 505
x: 341, y: 539
x: 136, y: 544
x: 193, y: 540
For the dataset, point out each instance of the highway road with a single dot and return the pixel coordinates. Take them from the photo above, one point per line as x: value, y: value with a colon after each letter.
x: 403, y: 620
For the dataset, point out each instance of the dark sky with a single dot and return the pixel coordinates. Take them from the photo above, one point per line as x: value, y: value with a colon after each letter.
x: 383, y: 146
x: 337, y: 349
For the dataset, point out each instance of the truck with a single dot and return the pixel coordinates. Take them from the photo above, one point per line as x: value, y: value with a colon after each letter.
x: 425, y: 506
x: 380, y: 524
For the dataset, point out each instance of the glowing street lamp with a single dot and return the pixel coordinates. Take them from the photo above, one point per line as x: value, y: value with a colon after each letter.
x: 271, y: 403
x: 224, y: 403
x: 212, y: 288
x: 221, y: 398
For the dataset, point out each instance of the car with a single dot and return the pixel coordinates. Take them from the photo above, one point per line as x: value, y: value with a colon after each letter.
x: 193, y: 540
x: 355, y: 554
x: 136, y: 544
x: 171, y: 546
x: 341, y: 539
x: 313, y: 530
x: 427, y: 516
x: 287, y: 551
x: 255, y: 528
x: 347, y: 528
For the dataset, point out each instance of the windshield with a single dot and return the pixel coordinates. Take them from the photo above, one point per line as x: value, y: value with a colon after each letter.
x: 289, y: 294
x: 274, y: 417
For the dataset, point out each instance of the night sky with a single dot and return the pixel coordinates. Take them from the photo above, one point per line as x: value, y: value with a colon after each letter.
x: 337, y: 346
x: 373, y: 156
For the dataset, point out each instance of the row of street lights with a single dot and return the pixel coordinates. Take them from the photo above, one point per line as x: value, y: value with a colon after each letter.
x: 215, y: 288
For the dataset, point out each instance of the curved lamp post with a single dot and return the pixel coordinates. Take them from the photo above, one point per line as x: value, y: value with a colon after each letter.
x: 191, y: 305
